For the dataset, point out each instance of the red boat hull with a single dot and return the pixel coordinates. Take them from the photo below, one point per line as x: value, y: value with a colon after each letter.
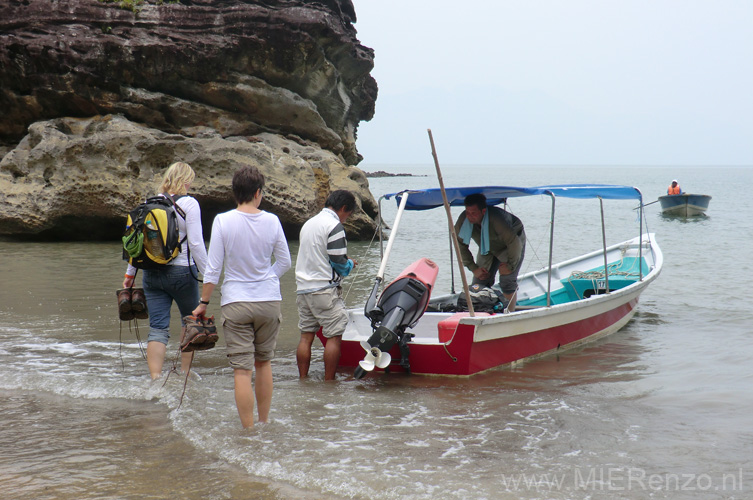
x: 465, y: 354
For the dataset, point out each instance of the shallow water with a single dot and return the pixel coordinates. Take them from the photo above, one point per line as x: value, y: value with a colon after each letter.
x: 660, y: 409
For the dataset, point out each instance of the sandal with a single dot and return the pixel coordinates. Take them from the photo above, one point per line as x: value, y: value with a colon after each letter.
x: 211, y: 335
x: 125, y: 311
x: 195, y: 332
x: 138, y: 303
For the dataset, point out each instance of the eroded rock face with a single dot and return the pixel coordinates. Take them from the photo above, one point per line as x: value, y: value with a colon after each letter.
x: 76, y: 178
x: 98, y: 100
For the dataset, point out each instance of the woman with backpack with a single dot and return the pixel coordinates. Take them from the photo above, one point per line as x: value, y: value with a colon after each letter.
x: 178, y: 279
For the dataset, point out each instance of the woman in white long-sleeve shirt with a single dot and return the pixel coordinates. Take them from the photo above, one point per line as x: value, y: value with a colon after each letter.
x: 178, y: 280
x: 245, y: 240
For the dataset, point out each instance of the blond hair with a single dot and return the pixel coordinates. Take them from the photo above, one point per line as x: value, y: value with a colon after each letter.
x: 176, y: 177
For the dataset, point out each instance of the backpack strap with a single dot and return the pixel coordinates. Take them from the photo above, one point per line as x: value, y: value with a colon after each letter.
x: 173, y: 199
x: 180, y: 211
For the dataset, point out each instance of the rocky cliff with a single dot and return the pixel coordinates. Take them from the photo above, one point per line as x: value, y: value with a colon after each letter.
x: 99, y: 97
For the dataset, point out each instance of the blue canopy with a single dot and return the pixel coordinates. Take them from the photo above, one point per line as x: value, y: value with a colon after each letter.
x: 424, y: 199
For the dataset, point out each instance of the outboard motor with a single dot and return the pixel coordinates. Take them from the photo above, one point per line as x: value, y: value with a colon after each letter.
x: 400, y: 306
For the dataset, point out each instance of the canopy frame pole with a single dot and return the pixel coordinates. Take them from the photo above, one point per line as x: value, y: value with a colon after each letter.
x: 452, y: 270
x: 381, y: 227
x: 551, y: 250
x: 454, y: 236
x: 604, y: 246
x: 640, y: 238
x: 393, y: 233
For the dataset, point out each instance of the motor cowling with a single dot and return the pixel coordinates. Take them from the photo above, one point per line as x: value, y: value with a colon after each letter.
x: 400, y: 306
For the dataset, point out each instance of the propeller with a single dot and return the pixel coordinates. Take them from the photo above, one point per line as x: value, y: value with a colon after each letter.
x: 374, y: 358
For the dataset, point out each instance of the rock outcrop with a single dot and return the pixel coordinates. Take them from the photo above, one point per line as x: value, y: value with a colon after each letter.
x: 75, y: 178
x: 99, y: 97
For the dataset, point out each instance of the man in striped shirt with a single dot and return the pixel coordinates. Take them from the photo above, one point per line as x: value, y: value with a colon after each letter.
x: 321, y: 265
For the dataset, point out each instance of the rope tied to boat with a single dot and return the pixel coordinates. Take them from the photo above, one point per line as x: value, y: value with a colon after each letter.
x: 365, y: 253
x: 453, y: 358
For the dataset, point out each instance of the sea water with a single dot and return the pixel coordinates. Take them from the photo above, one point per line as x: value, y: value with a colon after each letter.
x: 660, y: 409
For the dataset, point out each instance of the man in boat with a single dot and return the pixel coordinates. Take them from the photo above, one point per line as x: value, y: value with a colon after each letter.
x: 674, y: 188
x: 321, y: 265
x: 501, y: 239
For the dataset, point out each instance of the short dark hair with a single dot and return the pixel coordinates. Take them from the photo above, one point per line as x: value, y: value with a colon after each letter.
x: 341, y: 198
x: 246, y: 182
x: 477, y: 200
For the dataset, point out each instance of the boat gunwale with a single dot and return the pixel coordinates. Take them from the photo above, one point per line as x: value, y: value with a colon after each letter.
x: 653, y: 273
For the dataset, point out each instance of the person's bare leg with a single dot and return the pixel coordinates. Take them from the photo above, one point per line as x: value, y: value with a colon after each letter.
x: 303, y: 354
x: 263, y: 388
x: 185, y: 361
x: 155, y: 358
x: 244, y: 396
x: 331, y: 357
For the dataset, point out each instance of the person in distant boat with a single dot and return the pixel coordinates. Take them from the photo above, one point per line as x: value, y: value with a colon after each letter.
x: 674, y: 188
x: 175, y: 281
x: 321, y: 265
x: 244, y: 241
x: 501, y: 239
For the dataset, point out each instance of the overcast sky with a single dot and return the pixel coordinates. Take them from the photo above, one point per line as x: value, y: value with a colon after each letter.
x: 560, y: 82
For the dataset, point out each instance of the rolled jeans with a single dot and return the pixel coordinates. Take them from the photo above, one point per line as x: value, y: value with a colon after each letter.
x: 162, y: 287
x: 508, y: 283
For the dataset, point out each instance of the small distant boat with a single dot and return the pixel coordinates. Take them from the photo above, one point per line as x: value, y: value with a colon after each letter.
x: 684, y: 205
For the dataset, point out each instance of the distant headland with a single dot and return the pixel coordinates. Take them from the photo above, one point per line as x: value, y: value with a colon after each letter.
x: 382, y: 173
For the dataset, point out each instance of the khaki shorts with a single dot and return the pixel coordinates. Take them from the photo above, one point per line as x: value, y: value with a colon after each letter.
x: 324, y: 309
x: 251, y: 330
